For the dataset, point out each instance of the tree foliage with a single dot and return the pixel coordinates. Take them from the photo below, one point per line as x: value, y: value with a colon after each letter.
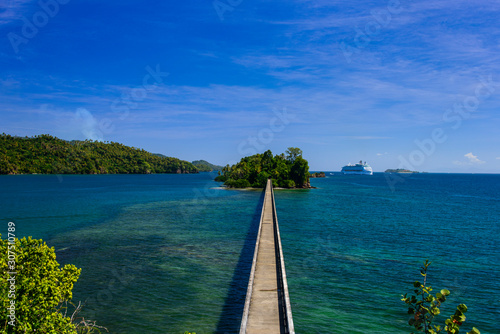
x: 423, y: 307
x: 293, y: 153
x: 205, y: 166
x: 290, y: 171
x: 46, y: 154
x: 39, y: 287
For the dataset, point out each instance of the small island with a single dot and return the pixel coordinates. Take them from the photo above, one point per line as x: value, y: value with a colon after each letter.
x: 317, y: 174
x: 401, y: 170
x: 286, y: 171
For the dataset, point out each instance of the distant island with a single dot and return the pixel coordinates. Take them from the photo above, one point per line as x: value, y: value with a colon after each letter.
x: 205, y: 166
x: 317, y: 174
x: 400, y: 170
x: 286, y: 171
x: 46, y: 154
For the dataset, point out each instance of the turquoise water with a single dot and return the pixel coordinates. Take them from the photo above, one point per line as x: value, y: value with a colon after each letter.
x: 169, y: 253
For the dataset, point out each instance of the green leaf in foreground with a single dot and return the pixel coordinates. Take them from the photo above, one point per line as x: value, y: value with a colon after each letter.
x: 423, y: 307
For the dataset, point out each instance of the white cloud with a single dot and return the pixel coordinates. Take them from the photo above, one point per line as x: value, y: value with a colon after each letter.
x: 473, y: 158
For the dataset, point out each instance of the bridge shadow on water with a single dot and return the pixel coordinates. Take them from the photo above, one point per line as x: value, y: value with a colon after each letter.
x: 230, y: 319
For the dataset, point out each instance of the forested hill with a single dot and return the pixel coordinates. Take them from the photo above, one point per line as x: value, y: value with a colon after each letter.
x: 205, y: 166
x: 46, y: 154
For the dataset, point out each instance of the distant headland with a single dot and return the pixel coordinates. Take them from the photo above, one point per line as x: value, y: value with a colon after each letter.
x: 401, y: 170
x: 46, y: 154
x: 205, y: 166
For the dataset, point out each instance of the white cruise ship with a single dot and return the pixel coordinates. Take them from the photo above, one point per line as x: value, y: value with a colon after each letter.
x: 358, y: 169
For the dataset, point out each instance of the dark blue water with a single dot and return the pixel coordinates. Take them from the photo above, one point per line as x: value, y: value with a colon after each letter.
x: 170, y: 253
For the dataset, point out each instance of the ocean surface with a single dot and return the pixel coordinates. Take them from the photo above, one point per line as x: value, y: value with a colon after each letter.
x: 172, y: 253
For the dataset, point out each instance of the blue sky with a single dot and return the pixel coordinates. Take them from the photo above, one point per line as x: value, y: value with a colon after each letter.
x: 409, y: 84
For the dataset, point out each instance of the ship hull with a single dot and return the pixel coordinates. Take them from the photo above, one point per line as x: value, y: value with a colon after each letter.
x: 357, y: 169
x: 363, y: 172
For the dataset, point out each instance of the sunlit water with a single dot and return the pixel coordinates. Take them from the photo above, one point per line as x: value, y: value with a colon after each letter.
x: 170, y: 253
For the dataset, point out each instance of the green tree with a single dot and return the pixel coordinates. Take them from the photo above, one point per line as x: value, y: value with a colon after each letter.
x: 423, y: 307
x: 293, y: 153
x: 281, y: 172
x: 299, y: 172
x: 254, y: 171
x: 39, y: 290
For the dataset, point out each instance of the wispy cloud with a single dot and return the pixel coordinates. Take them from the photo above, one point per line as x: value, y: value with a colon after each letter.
x: 13, y: 10
x: 365, y: 137
x: 471, y: 160
x: 226, y: 81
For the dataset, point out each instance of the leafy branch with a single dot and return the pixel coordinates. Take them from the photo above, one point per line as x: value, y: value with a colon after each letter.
x: 424, y: 307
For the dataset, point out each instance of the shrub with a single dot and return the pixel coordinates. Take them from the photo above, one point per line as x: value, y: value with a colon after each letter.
x: 38, y: 289
x: 241, y: 183
x: 289, y: 184
x: 424, y: 307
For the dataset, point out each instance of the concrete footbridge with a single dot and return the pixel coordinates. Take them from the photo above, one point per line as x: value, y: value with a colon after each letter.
x: 267, y: 305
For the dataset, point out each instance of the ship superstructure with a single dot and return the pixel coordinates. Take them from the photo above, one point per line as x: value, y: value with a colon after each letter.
x: 358, y: 169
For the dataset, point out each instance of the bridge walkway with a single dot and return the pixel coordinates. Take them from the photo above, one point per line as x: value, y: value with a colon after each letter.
x: 267, y: 306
